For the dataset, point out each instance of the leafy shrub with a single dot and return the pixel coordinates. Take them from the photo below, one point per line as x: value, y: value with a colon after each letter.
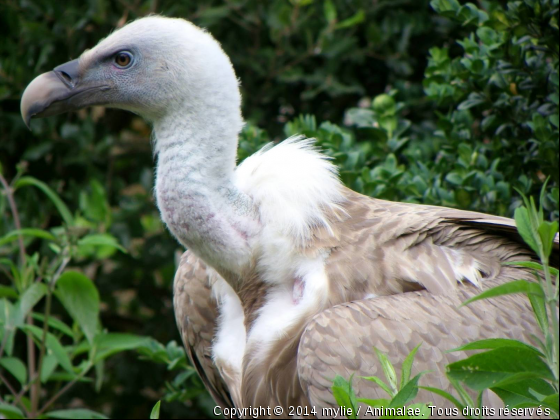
x: 327, y: 60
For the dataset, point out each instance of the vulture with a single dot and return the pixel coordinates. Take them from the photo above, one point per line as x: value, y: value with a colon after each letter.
x: 289, y: 278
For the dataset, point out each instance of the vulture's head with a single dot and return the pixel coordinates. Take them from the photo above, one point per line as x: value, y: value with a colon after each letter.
x: 154, y: 67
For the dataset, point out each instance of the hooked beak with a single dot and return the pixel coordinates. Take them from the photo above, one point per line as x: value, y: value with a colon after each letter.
x: 58, y: 91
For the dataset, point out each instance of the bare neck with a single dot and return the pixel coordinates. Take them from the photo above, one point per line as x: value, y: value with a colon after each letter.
x: 195, y: 188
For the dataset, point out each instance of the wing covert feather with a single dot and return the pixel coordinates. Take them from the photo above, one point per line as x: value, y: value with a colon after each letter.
x: 340, y: 340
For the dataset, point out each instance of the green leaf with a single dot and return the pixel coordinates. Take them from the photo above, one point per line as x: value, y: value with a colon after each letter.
x: 532, y: 265
x: 59, y: 204
x: 381, y: 402
x: 495, y: 343
x: 552, y: 402
x: 425, y: 410
x: 16, y: 367
x: 379, y: 382
x: 111, y: 343
x: 27, y: 301
x: 344, y: 395
x: 74, y: 413
x: 445, y: 395
x: 407, y: 393
x: 7, y: 291
x: 499, y: 366
x: 407, y: 366
x: 539, y: 308
x: 474, y: 99
x: 358, y: 18
x: 442, y: 6
x: 329, y: 9
x: 523, y: 391
x: 53, y: 345
x: 80, y: 298
x: 155, y: 411
x: 10, y: 412
x: 526, y: 229
x: 547, y: 232
x: 50, y: 362
x: 388, y: 369
x: 102, y: 239
x: 94, y: 205
x: 385, y: 105
x: 518, y: 286
x: 55, y: 323
x: 36, y: 233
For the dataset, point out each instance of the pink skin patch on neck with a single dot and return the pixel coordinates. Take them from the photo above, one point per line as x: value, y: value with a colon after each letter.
x: 297, y: 291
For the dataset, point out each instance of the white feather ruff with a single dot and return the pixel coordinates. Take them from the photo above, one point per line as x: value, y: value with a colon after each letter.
x: 293, y: 186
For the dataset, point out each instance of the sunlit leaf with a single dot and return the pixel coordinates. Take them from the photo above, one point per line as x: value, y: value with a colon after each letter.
x: 80, y: 298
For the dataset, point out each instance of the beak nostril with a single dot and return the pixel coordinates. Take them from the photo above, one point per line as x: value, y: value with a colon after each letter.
x: 66, y: 78
x: 69, y: 73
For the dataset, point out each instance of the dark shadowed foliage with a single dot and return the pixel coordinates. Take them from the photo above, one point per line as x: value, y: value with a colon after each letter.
x: 439, y: 102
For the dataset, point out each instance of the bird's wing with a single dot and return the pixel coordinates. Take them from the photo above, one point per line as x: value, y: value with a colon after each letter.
x: 416, y: 264
x: 383, y: 248
x: 196, y: 313
x: 340, y: 340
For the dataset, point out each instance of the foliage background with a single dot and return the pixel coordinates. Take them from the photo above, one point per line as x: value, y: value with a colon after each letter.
x: 470, y: 113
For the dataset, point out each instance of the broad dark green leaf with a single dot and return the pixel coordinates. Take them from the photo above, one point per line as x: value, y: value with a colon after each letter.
x: 80, y: 298
x: 522, y: 391
x: 499, y: 366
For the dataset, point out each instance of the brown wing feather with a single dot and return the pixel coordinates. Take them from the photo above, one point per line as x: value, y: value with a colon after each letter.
x: 340, y: 340
x: 409, y: 256
x: 384, y: 248
x: 196, y: 313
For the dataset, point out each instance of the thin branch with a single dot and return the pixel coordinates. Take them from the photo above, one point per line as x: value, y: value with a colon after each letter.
x: 13, y: 391
x: 15, y: 215
x: 32, y: 369
x: 64, y: 389
x: 36, y: 389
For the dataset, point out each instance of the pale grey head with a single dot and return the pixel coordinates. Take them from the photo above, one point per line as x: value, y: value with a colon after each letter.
x: 151, y: 67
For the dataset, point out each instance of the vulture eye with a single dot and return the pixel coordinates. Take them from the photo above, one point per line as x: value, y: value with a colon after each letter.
x: 123, y: 59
